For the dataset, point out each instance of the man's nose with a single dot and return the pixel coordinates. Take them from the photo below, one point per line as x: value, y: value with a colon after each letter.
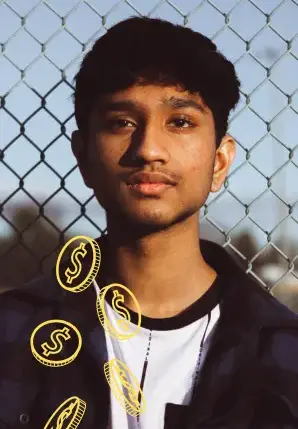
x: 150, y: 143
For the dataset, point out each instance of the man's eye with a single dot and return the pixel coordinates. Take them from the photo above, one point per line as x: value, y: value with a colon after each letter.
x: 182, y: 123
x: 120, y: 123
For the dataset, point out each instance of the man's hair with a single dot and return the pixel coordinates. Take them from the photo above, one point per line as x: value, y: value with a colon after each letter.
x: 143, y: 50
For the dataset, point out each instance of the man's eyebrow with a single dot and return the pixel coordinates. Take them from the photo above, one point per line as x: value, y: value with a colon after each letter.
x: 177, y: 103
x: 174, y: 102
x: 115, y: 106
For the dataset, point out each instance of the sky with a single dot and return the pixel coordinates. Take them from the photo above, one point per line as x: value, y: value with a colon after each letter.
x: 50, y: 45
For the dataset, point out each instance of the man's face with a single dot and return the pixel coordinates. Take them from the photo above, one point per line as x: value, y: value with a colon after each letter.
x: 153, y: 129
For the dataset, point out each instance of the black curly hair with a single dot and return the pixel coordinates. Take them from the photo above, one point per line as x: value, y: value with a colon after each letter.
x: 153, y: 51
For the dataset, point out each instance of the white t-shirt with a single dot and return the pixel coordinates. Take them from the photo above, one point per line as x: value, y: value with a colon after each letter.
x: 172, y: 360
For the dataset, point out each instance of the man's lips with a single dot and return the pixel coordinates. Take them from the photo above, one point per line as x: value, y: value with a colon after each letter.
x: 149, y: 185
x: 149, y: 188
x: 150, y: 178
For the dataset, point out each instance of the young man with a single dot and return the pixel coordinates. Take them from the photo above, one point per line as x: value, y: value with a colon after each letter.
x: 214, y: 349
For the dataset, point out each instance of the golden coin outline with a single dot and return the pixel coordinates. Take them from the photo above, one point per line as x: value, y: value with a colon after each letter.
x: 118, y: 391
x: 109, y: 370
x: 110, y: 366
x: 79, y: 413
x: 49, y: 362
x: 103, y: 318
x: 96, y: 261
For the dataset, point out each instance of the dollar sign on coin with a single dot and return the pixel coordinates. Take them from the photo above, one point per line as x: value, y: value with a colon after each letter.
x: 125, y: 329
x: 57, y: 344
x: 63, y: 416
x: 79, y: 251
x: 122, y: 311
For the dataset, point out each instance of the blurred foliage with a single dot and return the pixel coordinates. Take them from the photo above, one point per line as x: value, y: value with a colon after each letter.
x: 30, y: 250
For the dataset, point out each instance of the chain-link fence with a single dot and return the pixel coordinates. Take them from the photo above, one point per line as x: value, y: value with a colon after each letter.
x: 43, y: 199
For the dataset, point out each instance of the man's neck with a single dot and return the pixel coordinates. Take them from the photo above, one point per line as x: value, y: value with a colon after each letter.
x: 165, y: 271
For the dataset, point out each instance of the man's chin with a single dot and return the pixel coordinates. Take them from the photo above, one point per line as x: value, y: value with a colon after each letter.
x: 144, y: 220
x: 154, y: 220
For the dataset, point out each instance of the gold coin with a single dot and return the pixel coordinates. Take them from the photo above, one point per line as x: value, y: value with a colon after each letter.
x: 68, y: 415
x: 71, y: 278
x: 118, y: 376
x: 47, y: 341
x: 123, y: 323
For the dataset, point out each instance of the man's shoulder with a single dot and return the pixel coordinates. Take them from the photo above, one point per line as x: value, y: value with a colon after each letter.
x: 20, y: 305
x: 270, y: 310
x: 278, y: 326
x: 40, y: 290
x: 246, y: 302
x: 249, y: 307
x: 277, y: 347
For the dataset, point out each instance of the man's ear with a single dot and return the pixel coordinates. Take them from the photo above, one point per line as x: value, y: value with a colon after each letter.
x: 80, y: 152
x: 77, y: 144
x: 224, y: 157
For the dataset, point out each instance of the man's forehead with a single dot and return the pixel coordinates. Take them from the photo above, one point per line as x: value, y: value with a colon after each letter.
x: 139, y: 95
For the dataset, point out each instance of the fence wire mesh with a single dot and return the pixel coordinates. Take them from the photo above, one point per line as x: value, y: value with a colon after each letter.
x: 43, y: 200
